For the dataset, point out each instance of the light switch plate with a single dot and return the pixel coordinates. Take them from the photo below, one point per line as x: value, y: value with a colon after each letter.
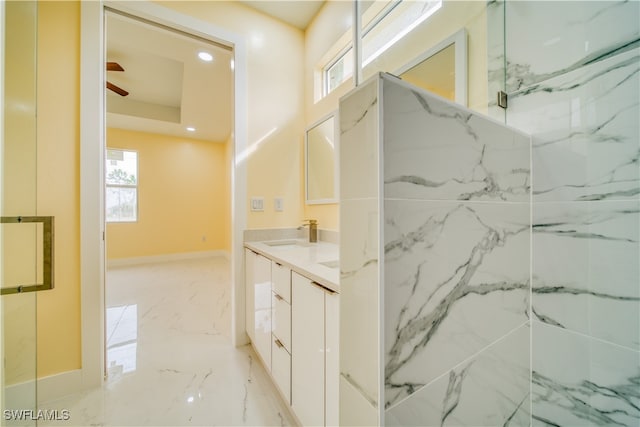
x: 279, y: 204
x: 257, y: 204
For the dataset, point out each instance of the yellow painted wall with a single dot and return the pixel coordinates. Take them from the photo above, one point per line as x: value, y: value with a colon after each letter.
x: 275, y: 55
x: 228, y: 185
x: 183, y: 196
x: 274, y: 160
x: 330, y: 24
x: 59, y: 348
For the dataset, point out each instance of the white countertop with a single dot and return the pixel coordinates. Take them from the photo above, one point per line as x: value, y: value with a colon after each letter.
x: 304, y: 258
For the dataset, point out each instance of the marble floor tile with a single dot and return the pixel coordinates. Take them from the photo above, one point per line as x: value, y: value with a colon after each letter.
x: 170, y: 358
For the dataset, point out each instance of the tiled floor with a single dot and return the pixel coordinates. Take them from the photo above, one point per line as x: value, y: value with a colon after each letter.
x: 170, y: 357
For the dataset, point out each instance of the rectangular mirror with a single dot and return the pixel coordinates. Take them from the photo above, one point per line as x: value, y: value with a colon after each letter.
x: 442, y: 69
x: 321, y: 174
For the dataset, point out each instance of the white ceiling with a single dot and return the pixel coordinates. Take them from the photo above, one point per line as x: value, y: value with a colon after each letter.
x: 169, y: 87
x: 298, y: 13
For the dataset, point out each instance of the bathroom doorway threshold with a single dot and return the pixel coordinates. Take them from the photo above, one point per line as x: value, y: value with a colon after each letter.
x: 92, y: 160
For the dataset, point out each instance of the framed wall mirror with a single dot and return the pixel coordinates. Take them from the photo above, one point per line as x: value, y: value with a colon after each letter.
x: 321, y: 172
x: 441, y: 69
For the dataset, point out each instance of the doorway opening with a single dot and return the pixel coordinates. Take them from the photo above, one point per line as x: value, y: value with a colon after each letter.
x: 92, y: 160
x: 168, y: 184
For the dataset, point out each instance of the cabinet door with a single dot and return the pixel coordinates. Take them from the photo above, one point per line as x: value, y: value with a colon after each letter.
x: 249, y: 261
x: 281, y: 368
x: 262, y: 308
x: 332, y: 357
x: 307, y: 351
x: 281, y: 277
x: 281, y: 320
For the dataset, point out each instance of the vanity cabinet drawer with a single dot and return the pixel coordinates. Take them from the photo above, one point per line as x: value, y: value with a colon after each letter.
x: 281, y: 278
x: 281, y: 368
x: 281, y: 320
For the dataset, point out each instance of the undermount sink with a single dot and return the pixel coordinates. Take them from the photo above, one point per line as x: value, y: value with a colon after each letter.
x: 286, y: 243
x: 334, y: 263
x: 281, y: 243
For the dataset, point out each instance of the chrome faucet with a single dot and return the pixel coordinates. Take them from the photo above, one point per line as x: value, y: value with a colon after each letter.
x: 313, y: 229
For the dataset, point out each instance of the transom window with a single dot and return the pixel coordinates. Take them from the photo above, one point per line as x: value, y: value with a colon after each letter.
x: 384, y: 23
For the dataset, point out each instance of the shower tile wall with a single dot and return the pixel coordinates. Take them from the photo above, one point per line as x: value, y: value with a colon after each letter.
x: 359, y: 266
x: 572, y: 74
x: 454, y: 241
x: 456, y: 260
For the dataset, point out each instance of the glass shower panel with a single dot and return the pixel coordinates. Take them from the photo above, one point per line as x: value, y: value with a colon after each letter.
x: 573, y: 83
x: 19, y: 242
x: 496, y: 62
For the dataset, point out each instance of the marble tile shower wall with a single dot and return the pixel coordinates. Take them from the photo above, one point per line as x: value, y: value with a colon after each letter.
x: 359, y: 257
x: 572, y: 75
x: 456, y: 263
x: 435, y: 250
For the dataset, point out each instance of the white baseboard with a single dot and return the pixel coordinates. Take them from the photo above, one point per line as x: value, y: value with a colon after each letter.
x: 60, y: 385
x: 23, y: 395
x: 121, y: 262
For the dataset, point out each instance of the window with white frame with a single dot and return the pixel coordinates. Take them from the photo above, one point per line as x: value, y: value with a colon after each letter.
x: 385, y: 22
x: 339, y: 71
x: 121, y: 178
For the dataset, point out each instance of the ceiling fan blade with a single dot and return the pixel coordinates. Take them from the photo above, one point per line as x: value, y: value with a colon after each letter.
x: 114, y: 66
x: 117, y: 89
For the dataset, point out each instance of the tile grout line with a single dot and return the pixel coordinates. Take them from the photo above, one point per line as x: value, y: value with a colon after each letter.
x: 466, y: 360
x: 590, y: 337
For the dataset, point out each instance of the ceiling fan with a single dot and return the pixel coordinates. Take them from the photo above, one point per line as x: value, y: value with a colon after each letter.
x: 114, y: 66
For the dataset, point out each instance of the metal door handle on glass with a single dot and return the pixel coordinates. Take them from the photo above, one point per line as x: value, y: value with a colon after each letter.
x: 47, y: 253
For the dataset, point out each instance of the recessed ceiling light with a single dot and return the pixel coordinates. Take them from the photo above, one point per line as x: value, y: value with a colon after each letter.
x: 191, y: 129
x: 205, y: 56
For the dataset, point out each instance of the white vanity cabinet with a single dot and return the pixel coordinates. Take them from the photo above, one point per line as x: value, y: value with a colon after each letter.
x: 281, y: 328
x: 249, y: 315
x: 314, y: 344
x: 332, y: 358
x: 262, y: 307
x: 293, y: 324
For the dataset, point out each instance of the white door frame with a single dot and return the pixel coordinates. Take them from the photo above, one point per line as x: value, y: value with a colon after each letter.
x: 92, y: 149
x: 2, y: 377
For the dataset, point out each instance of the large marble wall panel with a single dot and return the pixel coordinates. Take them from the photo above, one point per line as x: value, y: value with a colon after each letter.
x: 359, y: 256
x: 489, y: 389
x: 586, y: 132
x: 586, y: 273
x: 355, y: 409
x: 580, y: 381
x: 359, y: 142
x: 456, y: 278
x: 359, y: 297
x: 436, y: 150
x: 547, y: 39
